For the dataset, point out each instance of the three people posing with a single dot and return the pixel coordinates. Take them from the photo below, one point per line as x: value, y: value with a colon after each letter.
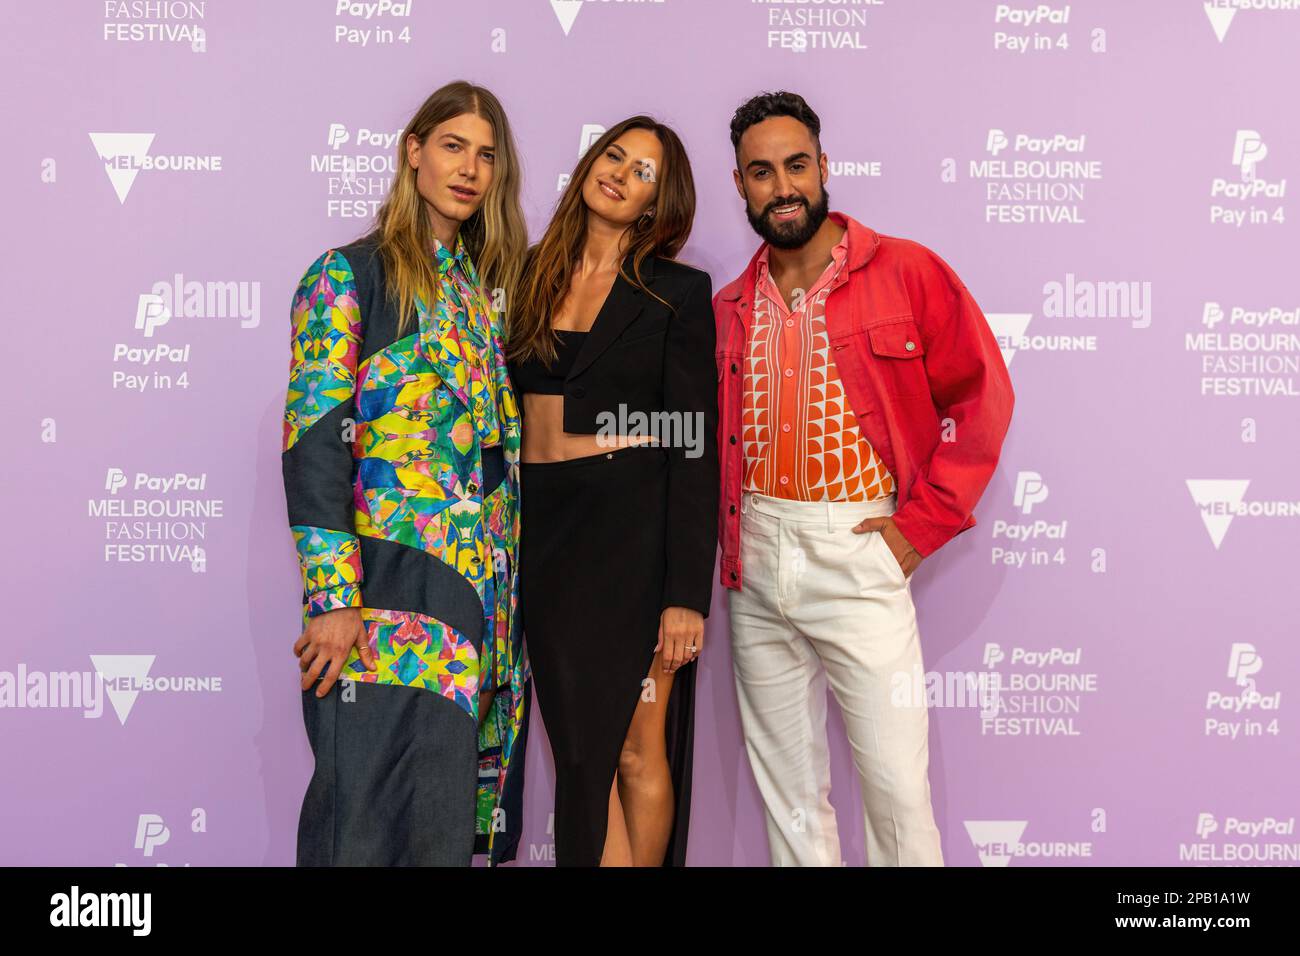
x: 441, y: 526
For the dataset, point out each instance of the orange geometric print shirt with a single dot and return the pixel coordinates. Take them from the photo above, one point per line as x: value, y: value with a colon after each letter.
x: 801, y: 438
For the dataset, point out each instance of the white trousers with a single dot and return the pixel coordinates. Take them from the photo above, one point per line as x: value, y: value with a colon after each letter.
x: 819, y: 602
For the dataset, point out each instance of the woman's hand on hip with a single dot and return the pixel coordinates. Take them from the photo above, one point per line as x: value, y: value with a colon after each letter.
x: 681, y: 637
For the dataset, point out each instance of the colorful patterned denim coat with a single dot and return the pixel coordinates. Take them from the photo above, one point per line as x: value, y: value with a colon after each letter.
x: 382, y: 475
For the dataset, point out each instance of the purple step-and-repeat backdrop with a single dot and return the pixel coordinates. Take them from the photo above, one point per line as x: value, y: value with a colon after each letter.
x: 1109, y: 178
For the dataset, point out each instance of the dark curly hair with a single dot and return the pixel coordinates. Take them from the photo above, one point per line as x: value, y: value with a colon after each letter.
x: 766, y: 105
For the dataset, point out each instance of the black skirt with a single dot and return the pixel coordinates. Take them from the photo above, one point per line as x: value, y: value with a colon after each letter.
x: 591, y: 579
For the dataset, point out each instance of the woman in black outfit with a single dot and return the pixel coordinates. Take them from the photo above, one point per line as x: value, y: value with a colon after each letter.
x: 611, y: 344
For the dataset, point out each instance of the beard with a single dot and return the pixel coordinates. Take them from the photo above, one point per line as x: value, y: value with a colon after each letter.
x: 790, y: 235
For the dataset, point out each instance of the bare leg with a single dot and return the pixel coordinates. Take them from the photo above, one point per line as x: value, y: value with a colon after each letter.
x: 617, y: 851
x: 645, y: 786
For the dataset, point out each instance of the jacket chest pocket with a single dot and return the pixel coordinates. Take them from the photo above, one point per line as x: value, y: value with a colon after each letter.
x: 728, y: 365
x: 897, y: 351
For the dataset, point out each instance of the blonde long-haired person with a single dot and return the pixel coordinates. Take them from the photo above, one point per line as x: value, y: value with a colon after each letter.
x: 611, y: 345
x: 400, y: 456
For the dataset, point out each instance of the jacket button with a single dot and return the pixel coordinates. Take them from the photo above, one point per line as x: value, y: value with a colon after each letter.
x: 734, y: 369
x: 732, y: 509
x: 579, y: 391
x: 909, y: 345
x: 472, y: 487
x: 732, y: 439
x: 733, y: 575
x: 476, y: 560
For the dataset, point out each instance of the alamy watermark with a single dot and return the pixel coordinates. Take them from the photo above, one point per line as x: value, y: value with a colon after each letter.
x: 669, y: 429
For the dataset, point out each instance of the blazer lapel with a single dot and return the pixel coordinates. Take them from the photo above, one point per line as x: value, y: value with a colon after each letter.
x: 623, y: 304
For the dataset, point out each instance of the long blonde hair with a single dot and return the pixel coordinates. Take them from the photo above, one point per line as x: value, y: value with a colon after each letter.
x: 496, y: 236
x: 549, y: 265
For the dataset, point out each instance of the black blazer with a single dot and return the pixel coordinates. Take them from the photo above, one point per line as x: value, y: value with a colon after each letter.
x: 641, y: 355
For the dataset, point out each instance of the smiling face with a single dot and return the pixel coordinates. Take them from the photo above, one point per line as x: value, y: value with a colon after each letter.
x: 624, y: 179
x: 453, y: 166
x: 782, y: 180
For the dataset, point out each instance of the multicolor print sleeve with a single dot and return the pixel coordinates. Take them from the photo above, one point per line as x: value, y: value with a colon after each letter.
x: 319, y: 426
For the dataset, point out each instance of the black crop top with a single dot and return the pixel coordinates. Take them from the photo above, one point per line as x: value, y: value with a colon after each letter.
x: 532, y: 376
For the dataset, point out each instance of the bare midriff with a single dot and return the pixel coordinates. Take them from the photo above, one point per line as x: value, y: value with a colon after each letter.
x: 544, y: 438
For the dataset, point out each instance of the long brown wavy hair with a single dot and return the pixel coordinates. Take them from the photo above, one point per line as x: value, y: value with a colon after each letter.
x: 496, y: 236
x: 549, y: 265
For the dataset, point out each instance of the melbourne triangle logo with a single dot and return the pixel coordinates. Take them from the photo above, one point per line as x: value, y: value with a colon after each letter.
x: 123, y: 157
x: 1009, y: 329
x: 1220, y: 18
x: 1218, y: 499
x: 566, y: 11
x: 123, y: 674
x: 995, y: 840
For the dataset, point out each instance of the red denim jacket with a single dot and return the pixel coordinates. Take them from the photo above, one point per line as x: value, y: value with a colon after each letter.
x: 922, y: 373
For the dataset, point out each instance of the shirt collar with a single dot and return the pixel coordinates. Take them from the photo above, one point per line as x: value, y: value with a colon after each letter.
x: 446, y: 258
x: 839, y: 252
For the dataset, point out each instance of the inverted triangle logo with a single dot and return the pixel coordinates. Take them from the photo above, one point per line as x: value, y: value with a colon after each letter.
x: 1218, y: 500
x: 113, y: 146
x: 1220, y: 18
x: 134, y: 668
x: 566, y: 11
x: 1009, y: 328
x: 994, y: 839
